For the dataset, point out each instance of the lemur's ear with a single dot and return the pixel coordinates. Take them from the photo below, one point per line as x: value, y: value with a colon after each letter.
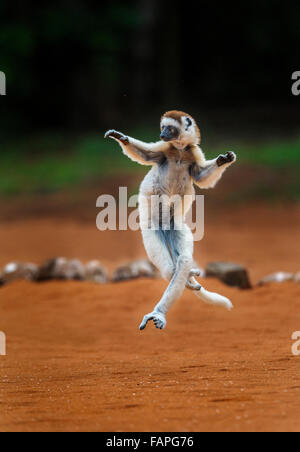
x: 188, y: 123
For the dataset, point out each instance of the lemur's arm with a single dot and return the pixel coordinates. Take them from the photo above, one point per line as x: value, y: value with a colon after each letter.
x: 206, y: 173
x: 138, y: 151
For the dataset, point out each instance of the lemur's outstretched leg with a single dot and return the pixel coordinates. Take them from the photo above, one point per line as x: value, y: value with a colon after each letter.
x: 178, y: 273
x: 183, y: 242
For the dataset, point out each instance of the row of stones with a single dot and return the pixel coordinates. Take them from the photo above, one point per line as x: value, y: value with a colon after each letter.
x: 62, y: 268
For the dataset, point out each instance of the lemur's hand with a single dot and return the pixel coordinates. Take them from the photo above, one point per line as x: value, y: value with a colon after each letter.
x: 117, y: 136
x: 158, y: 318
x: 230, y: 157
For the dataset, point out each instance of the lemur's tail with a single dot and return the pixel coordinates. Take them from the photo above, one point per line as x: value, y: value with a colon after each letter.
x: 169, y: 239
x: 214, y: 298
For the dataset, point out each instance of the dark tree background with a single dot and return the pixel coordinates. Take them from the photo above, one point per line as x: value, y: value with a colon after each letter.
x: 85, y: 65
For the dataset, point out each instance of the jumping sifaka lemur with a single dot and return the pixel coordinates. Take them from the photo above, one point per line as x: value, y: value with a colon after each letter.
x: 177, y: 163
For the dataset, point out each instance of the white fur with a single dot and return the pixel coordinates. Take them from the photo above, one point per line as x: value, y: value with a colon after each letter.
x: 199, y: 155
x: 214, y: 299
x: 212, y: 180
x: 132, y: 148
x: 187, y: 136
x: 169, y: 180
x: 170, y: 122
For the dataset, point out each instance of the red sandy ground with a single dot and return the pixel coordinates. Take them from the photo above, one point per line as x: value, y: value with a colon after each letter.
x: 76, y: 360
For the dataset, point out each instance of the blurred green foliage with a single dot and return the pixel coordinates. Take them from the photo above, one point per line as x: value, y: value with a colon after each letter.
x: 73, y: 68
x: 79, y: 65
x: 54, y: 162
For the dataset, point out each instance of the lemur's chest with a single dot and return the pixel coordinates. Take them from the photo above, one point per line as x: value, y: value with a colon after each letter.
x: 172, y: 178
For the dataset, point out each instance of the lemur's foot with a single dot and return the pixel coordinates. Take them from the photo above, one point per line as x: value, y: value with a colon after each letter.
x: 230, y: 157
x: 117, y: 136
x: 193, y: 285
x: 196, y: 272
x: 158, y: 318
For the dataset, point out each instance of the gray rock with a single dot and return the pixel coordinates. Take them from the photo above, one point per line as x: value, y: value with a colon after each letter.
x: 231, y: 274
x: 15, y: 270
x: 133, y: 270
x: 74, y: 270
x: 61, y: 268
x: 297, y: 277
x: 95, y: 272
x: 52, y: 269
x: 278, y: 277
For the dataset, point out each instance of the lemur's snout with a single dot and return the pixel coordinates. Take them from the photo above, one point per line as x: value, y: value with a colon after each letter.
x: 169, y: 133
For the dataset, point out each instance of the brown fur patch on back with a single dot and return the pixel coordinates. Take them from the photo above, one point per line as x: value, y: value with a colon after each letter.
x: 177, y: 115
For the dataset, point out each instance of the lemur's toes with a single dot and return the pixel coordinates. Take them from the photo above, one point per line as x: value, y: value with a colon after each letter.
x: 109, y: 134
x: 124, y: 140
x: 145, y: 321
x: 231, y: 157
x: 228, y: 158
x: 159, y: 321
x: 117, y: 136
x: 196, y: 272
x: 158, y: 318
x: 113, y: 134
x: 193, y: 286
x: 221, y: 160
x: 159, y: 325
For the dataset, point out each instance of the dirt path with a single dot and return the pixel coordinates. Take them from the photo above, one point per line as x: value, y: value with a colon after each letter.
x: 264, y: 239
x: 76, y: 360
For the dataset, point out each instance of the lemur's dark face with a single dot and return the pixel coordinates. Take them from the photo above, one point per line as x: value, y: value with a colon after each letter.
x: 169, y: 133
